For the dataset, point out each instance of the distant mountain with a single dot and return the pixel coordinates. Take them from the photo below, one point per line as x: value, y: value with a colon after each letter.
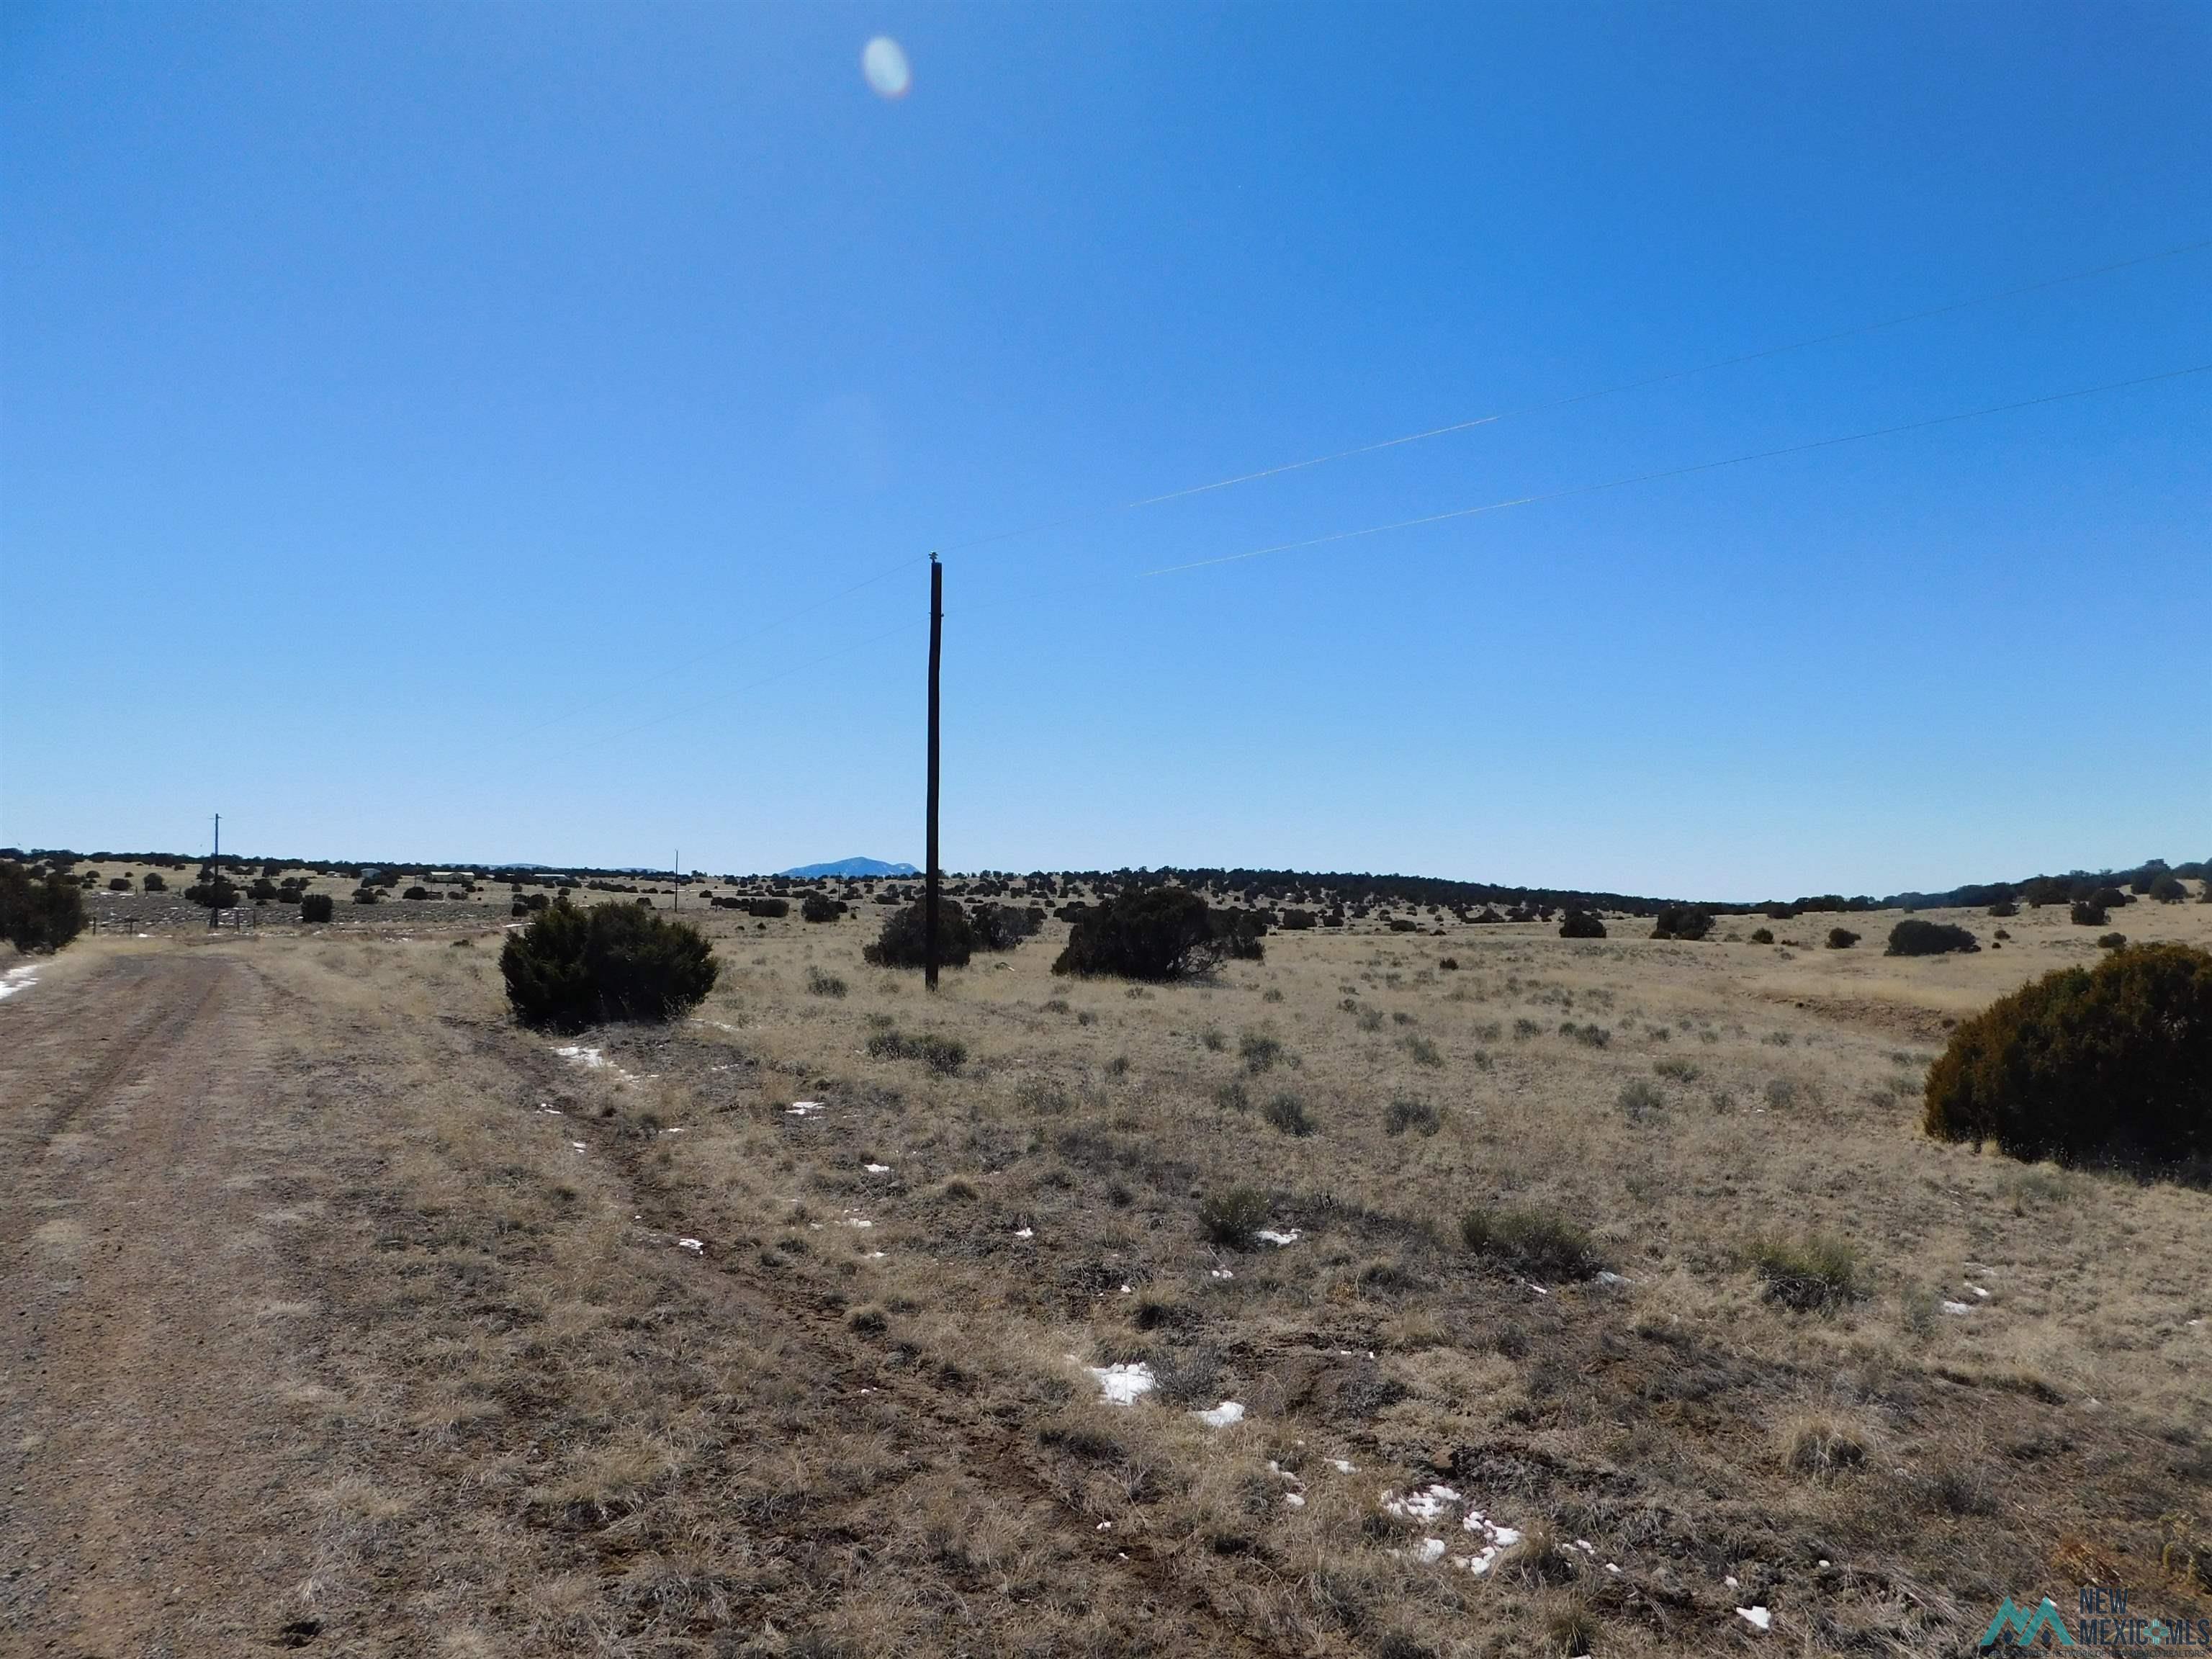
x: 852, y: 867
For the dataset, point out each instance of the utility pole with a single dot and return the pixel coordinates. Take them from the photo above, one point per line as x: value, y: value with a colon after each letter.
x: 929, y: 856
x: 215, y: 863
x: 679, y: 881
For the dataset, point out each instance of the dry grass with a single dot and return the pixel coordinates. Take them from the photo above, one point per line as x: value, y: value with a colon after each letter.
x: 859, y: 1419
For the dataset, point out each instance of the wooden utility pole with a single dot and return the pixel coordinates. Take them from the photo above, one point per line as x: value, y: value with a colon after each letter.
x: 679, y: 881
x: 929, y: 855
x: 214, y: 911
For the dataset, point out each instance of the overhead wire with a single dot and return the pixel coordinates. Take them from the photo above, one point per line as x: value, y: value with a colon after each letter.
x: 1677, y: 471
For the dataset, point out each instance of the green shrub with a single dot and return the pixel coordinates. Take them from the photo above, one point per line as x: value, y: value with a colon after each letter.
x: 1536, y: 1243
x: 1841, y: 938
x: 823, y: 985
x: 1415, y: 1114
x: 1288, y: 1113
x: 1639, y: 1100
x: 1762, y: 936
x: 2003, y: 909
x: 768, y: 907
x: 2087, y: 913
x: 2111, y: 941
x: 315, y: 906
x: 942, y: 1054
x: 1915, y: 937
x: 155, y: 882
x: 900, y: 943
x: 2110, y: 1062
x: 820, y: 906
x: 2167, y: 889
x: 1581, y: 924
x: 213, y: 892
x: 570, y: 967
x: 1258, y: 1051
x: 1691, y: 924
x: 1003, y: 927
x: 1821, y: 1270
x: 1230, y: 1217
x: 42, y: 915
x: 1155, y: 933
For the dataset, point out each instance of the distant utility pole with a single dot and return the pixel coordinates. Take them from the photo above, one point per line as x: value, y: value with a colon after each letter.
x: 679, y: 880
x: 929, y: 856
x: 215, y: 863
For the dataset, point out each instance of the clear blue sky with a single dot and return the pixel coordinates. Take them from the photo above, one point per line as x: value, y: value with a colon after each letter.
x: 426, y: 429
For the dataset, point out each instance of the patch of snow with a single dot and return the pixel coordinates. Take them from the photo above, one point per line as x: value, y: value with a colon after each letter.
x: 1296, y: 1500
x: 1497, y: 1540
x: 1610, y: 1278
x: 802, y: 1108
x: 578, y: 1145
x: 1539, y: 1289
x: 1126, y: 1291
x: 877, y: 1168
x: 1341, y: 1467
x: 1426, y: 1505
x: 1222, y: 1416
x: 17, y: 979
x: 1024, y: 1232
x: 1756, y: 1618
x: 852, y: 1220
x: 590, y: 1058
x: 696, y: 1246
x: 1958, y: 1306
x: 553, y: 1111
x: 1267, y: 1236
x: 1978, y: 1290
x: 1219, y: 1273
x: 1430, y: 1549
x: 1731, y: 1582
x: 1124, y: 1384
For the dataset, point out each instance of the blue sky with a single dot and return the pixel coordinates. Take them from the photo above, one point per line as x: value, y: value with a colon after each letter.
x: 440, y: 432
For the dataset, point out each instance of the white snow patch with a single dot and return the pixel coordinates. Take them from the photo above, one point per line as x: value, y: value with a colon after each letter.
x: 802, y: 1108
x: 1124, y: 1384
x: 1610, y: 1278
x: 1222, y: 1416
x: 590, y: 1058
x: 1427, y: 1505
x: 1341, y: 1467
x: 852, y: 1220
x: 1219, y: 1273
x: 877, y: 1168
x: 1024, y: 1232
x: 1756, y: 1618
x: 1430, y: 1549
x: 1979, y: 1292
x: 1958, y: 1306
x: 17, y: 979
x: 578, y: 1145
x: 1296, y: 1500
x: 1267, y: 1236
x: 694, y: 1245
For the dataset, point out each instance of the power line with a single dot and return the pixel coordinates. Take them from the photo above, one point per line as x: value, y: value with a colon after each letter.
x: 1680, y: 472
x: 1572, y: 398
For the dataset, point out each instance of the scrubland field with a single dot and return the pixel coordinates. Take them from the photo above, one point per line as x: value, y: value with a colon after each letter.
x: 345, y: 1315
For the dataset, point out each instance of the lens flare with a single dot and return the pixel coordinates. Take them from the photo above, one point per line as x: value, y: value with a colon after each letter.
x: 883, y: 61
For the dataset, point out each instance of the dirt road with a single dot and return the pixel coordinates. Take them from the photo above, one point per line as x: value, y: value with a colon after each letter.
x: 326, y: 1332
x: 152, y: 1490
